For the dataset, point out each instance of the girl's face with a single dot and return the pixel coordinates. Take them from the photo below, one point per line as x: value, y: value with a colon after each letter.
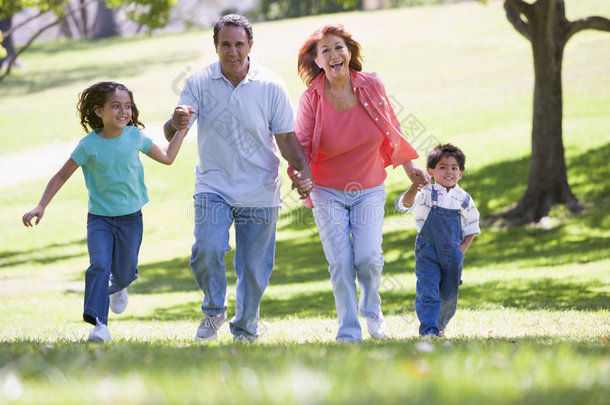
x: 447, y: 172
x: 333, y: 56
x: 116, y: 112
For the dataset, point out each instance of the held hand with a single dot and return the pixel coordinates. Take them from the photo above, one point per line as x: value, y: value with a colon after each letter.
x: 303, y: 183
x: 419, y: 177
x: 182, y: 116
x: 37, y: 212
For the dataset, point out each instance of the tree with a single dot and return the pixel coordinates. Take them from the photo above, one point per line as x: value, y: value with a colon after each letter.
x: 105, y: 23
x: 8, y: 47
x: 277, y: 9
x: 8, y: 8
x: 545, y: 25
x: 152, y: 13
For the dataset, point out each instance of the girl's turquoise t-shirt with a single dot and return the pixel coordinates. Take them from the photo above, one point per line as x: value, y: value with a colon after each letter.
x: 114, y: 174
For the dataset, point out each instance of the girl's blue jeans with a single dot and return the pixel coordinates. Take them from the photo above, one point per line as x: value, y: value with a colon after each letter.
x: 114, y: 245
x: 254, y: 257
x: 350, y: 224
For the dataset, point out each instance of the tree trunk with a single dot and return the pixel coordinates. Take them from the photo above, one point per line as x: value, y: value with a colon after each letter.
x: 84, y: 19
x: 105, y: 23
x: 548, y: 181
x: 5, y: 26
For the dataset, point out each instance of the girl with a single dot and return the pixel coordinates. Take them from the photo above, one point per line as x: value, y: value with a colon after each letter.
x: 114, y: 176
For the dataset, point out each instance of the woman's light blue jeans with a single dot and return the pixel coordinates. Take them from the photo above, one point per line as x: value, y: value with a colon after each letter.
x: 114, y: 245
x: 350, y: 224
x: 254, y: 257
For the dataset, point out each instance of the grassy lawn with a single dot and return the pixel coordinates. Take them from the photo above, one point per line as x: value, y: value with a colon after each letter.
x: 533, y: 321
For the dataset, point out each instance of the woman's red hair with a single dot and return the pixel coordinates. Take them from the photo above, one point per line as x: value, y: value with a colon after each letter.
x: 307, y: 68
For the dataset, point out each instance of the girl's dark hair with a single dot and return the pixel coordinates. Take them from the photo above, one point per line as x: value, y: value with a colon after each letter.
x: 446, y: 150
x: 307, y: 68
x: 96, y: 96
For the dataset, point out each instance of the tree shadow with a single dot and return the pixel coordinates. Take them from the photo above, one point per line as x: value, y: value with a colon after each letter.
x: 314, y: 304
x: 295, y: 262
x: 173, y: 275
x: 299, y: 218
x: 494, y: 188
x: 588, y: 177
x: 535, y: 294
x: 498, y: 186
x: 540, y: 247
x: 185, y: 310
x: 40, y: 80
x: 538, y: 294
x: 299, y: 261
x: 301, y: 258
x: 310, y: 304
x: 41, y: 255
x: 532, y: 246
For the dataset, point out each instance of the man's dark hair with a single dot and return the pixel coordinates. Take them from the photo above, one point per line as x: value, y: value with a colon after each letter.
x: 234, y: 20
x: 446, y: 150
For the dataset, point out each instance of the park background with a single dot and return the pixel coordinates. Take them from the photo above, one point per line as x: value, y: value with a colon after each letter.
x: 532, y: 324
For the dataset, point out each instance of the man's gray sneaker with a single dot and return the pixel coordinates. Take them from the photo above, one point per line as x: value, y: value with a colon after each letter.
x: 242, y: 339
x: 209, y: 326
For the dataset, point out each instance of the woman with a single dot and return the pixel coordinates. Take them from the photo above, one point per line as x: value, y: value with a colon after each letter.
x: 350, y: 134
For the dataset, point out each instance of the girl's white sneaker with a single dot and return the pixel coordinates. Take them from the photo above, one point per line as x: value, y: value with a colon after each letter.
x: 118, y: 301
x: 99, y: 333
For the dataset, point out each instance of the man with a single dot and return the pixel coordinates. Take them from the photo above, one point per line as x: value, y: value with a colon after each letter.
x: 243, y: 112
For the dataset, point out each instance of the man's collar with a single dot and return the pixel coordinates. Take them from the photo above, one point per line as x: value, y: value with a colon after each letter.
x: 253, y: 71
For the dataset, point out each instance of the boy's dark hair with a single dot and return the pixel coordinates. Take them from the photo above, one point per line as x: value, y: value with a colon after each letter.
x: 96, y: 96
x: 446, y: 150
x: 234, y: 20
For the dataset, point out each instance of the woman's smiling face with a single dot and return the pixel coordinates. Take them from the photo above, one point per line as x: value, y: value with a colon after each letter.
x: 333, y: 56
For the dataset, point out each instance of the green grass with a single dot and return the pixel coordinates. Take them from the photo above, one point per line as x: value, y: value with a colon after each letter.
x: 533, y: 321
x: 482, y: 371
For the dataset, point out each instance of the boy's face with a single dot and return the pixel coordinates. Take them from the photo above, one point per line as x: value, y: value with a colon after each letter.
x: 447, y: 172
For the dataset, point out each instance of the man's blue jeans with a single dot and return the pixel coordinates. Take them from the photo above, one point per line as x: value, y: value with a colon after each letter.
x: 114, y: 245
x: 350, y: 224
x: 254, y: 257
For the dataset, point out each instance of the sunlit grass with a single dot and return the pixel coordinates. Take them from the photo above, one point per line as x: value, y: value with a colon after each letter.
x: 501, y: 371
x: 533, y: 321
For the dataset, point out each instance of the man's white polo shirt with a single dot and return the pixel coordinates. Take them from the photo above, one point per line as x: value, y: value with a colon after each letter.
x: 238, y: 155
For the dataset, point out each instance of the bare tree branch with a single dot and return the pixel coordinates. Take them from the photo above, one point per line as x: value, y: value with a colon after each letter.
x: 588, y: 23
x: 13, y: 59
x: 24, y: 47
x: 10, y: 32
x: 30, y: 19
x: 521, y: 6
x: 514, y: 11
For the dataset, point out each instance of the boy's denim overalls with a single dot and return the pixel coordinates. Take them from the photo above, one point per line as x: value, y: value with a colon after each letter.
x: 438, y: 267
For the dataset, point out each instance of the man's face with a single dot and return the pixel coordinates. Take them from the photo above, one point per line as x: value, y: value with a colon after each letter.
x: 233, y: 49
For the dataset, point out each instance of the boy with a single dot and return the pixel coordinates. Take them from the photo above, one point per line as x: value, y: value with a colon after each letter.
x: 446, y: 221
